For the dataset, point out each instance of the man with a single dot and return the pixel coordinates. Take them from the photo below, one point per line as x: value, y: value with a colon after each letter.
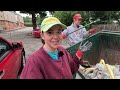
x: 79, y: 31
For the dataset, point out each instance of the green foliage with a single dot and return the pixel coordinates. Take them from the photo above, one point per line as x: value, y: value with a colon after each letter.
x: 106, y: 17
x: 27, y: 19
x: 39, y: 19
x: 28, y: 24
x: 66, y: 17
x: 42, y: 14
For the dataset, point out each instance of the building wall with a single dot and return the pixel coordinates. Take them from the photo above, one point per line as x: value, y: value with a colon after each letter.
x: 9, y: 16
x: 1, y: 15
x: 20, y: 21
x: 10, y: 20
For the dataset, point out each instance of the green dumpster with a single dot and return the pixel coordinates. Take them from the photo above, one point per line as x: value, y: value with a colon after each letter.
x: 106, y: 45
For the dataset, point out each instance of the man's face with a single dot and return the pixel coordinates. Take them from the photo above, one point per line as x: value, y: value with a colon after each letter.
x: 77, y: 21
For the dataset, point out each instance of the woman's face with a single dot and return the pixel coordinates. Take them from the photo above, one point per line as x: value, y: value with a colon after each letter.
x: 52, y: 37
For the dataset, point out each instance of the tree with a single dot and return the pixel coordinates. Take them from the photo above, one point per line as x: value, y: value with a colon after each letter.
x: 106, y: 17
x: 66, y: 17
x: 27, y: 19
x: 33, y: 13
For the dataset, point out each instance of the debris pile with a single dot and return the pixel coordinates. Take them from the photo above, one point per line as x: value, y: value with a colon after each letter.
x: 102, y: 71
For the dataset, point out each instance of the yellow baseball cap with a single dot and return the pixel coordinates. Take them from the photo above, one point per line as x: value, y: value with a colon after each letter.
x: 47, y: 23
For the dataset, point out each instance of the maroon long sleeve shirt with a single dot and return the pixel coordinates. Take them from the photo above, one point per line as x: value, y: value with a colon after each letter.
x: 41, y: 66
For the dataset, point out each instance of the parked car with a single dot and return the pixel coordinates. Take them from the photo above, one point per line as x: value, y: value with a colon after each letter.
x: 36, y: 33
x: 11, y: 59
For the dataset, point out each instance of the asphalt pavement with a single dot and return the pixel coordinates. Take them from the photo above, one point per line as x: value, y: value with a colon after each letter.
x: 24, y: 35
x: 30, y: 43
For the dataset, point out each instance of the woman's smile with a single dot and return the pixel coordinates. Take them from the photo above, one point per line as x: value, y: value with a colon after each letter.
x: 55, y: 42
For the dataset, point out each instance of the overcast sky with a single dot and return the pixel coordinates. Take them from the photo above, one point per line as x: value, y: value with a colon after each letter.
x: 24, y: 15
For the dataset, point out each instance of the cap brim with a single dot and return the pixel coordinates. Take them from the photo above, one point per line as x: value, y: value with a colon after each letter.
x: 50, y: 25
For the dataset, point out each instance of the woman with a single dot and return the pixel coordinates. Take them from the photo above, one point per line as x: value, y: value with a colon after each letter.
x: 51, y: 61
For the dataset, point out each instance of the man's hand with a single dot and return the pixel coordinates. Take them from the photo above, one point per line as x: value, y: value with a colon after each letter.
x: 63, y: 36
x: 93, y: 30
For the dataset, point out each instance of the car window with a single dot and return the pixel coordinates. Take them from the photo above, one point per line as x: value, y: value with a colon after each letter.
x: 4, y: 47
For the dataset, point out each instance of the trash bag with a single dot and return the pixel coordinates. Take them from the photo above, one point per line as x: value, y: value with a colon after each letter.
x: 102, y: 71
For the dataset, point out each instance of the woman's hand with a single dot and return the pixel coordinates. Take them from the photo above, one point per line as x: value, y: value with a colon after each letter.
x: 82, y: 48
x: 86, y: 46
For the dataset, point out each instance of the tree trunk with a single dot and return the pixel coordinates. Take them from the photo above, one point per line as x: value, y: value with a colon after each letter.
x: 34, y: 21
